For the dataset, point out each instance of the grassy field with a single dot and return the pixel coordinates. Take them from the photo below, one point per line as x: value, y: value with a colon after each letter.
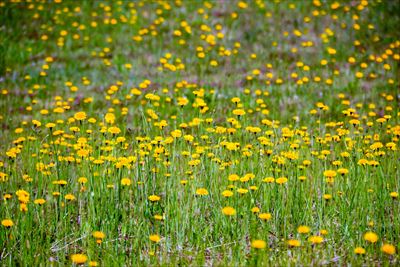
x: 219, y: 133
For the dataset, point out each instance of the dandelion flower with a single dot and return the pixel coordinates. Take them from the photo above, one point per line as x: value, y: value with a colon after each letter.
x: 155, y: 238
x: 227, y: 193
x: 80, y: 116
x: 39, y: 201
x: 316, y: 239
x: 70, y: 197
x: 388, y: 249
x: 229, y: 211
x: 302, y: 229
x: 371, y: 237
x: 293, y: 243
x: 79, y: 258
x: 8, y: 223
x: 154, y: 198
x: 258, y: 244
x: 359, y: 251
x: 126, y: 182
x: 281, y: 180
x: 99, y: 236
x: 202, y: 192
x: 265, y: 216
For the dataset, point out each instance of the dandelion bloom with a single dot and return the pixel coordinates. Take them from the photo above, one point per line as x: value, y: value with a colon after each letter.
x: 258, y: 244
x: 329, y: 173
x: 79, y: 258
x: 269, y: 180
x: 233, y: 177
x: 80, y: 116
x: 7, y: 223
x: 242, y: 191
x: 239, y: 112
x: 343, y: 171
x: 39, y: 201
x: 114, y: 130
x: 202, y: 192
x: 316, y: 239
x: 229, y: 211
x: 255, y: 209
x: 158, y: 217
x: 388, y: 249
x: 98, y: 234
x: 293, y: 243
x: 371, y: 237
x: 302, y: 229
x: 323, y: 232
x: 70, y: 197
x: 394, y: 195
x: 281, y: 180
x: 154, y: 198
x: 265, y: 216
x: 359, y: 251
x: 82, y: 180
x: 155, y: 238
x: 126, y: 182
x: 227, y: 193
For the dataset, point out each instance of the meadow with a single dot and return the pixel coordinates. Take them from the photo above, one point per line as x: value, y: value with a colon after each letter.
x: 199, y: 133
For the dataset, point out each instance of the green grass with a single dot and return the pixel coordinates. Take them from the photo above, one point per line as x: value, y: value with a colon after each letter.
x: 60, y: 59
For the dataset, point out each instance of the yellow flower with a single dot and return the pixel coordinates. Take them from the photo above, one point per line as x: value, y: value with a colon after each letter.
x: 114, y: 130
x: 202, y: 192
x: 7, y: 223
x: 302, y: 229
x: 82, y: 180
x: 229, y: 211
x: 79, y: 258
x: 329, y: 173
x: 258, y: 244
x: 371, y: 237
x: 80, y: 116
x: 154, y: 198
x: 359, y: 250
x: 388, y: 249
x: 98, y: 235
x: 269, y: 180
x: 242, y: 4
x: 155, y: 238
x: 70, y: 197
x: 158, y: 217
x: 265, y: 216
x: 23, y: 207
x: 239, y: 112
x: 293, y: 243
x: 394, y: 195
x: 343, y: 171
x: 323, y: 232
x: 281, y: 180
x: 233, y: 177
x: 316, y: 239
x: 255, y: 209
x: 227, y: 193
x: 126, y: 181
x: 39, y: 201
x: 242, y: 191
